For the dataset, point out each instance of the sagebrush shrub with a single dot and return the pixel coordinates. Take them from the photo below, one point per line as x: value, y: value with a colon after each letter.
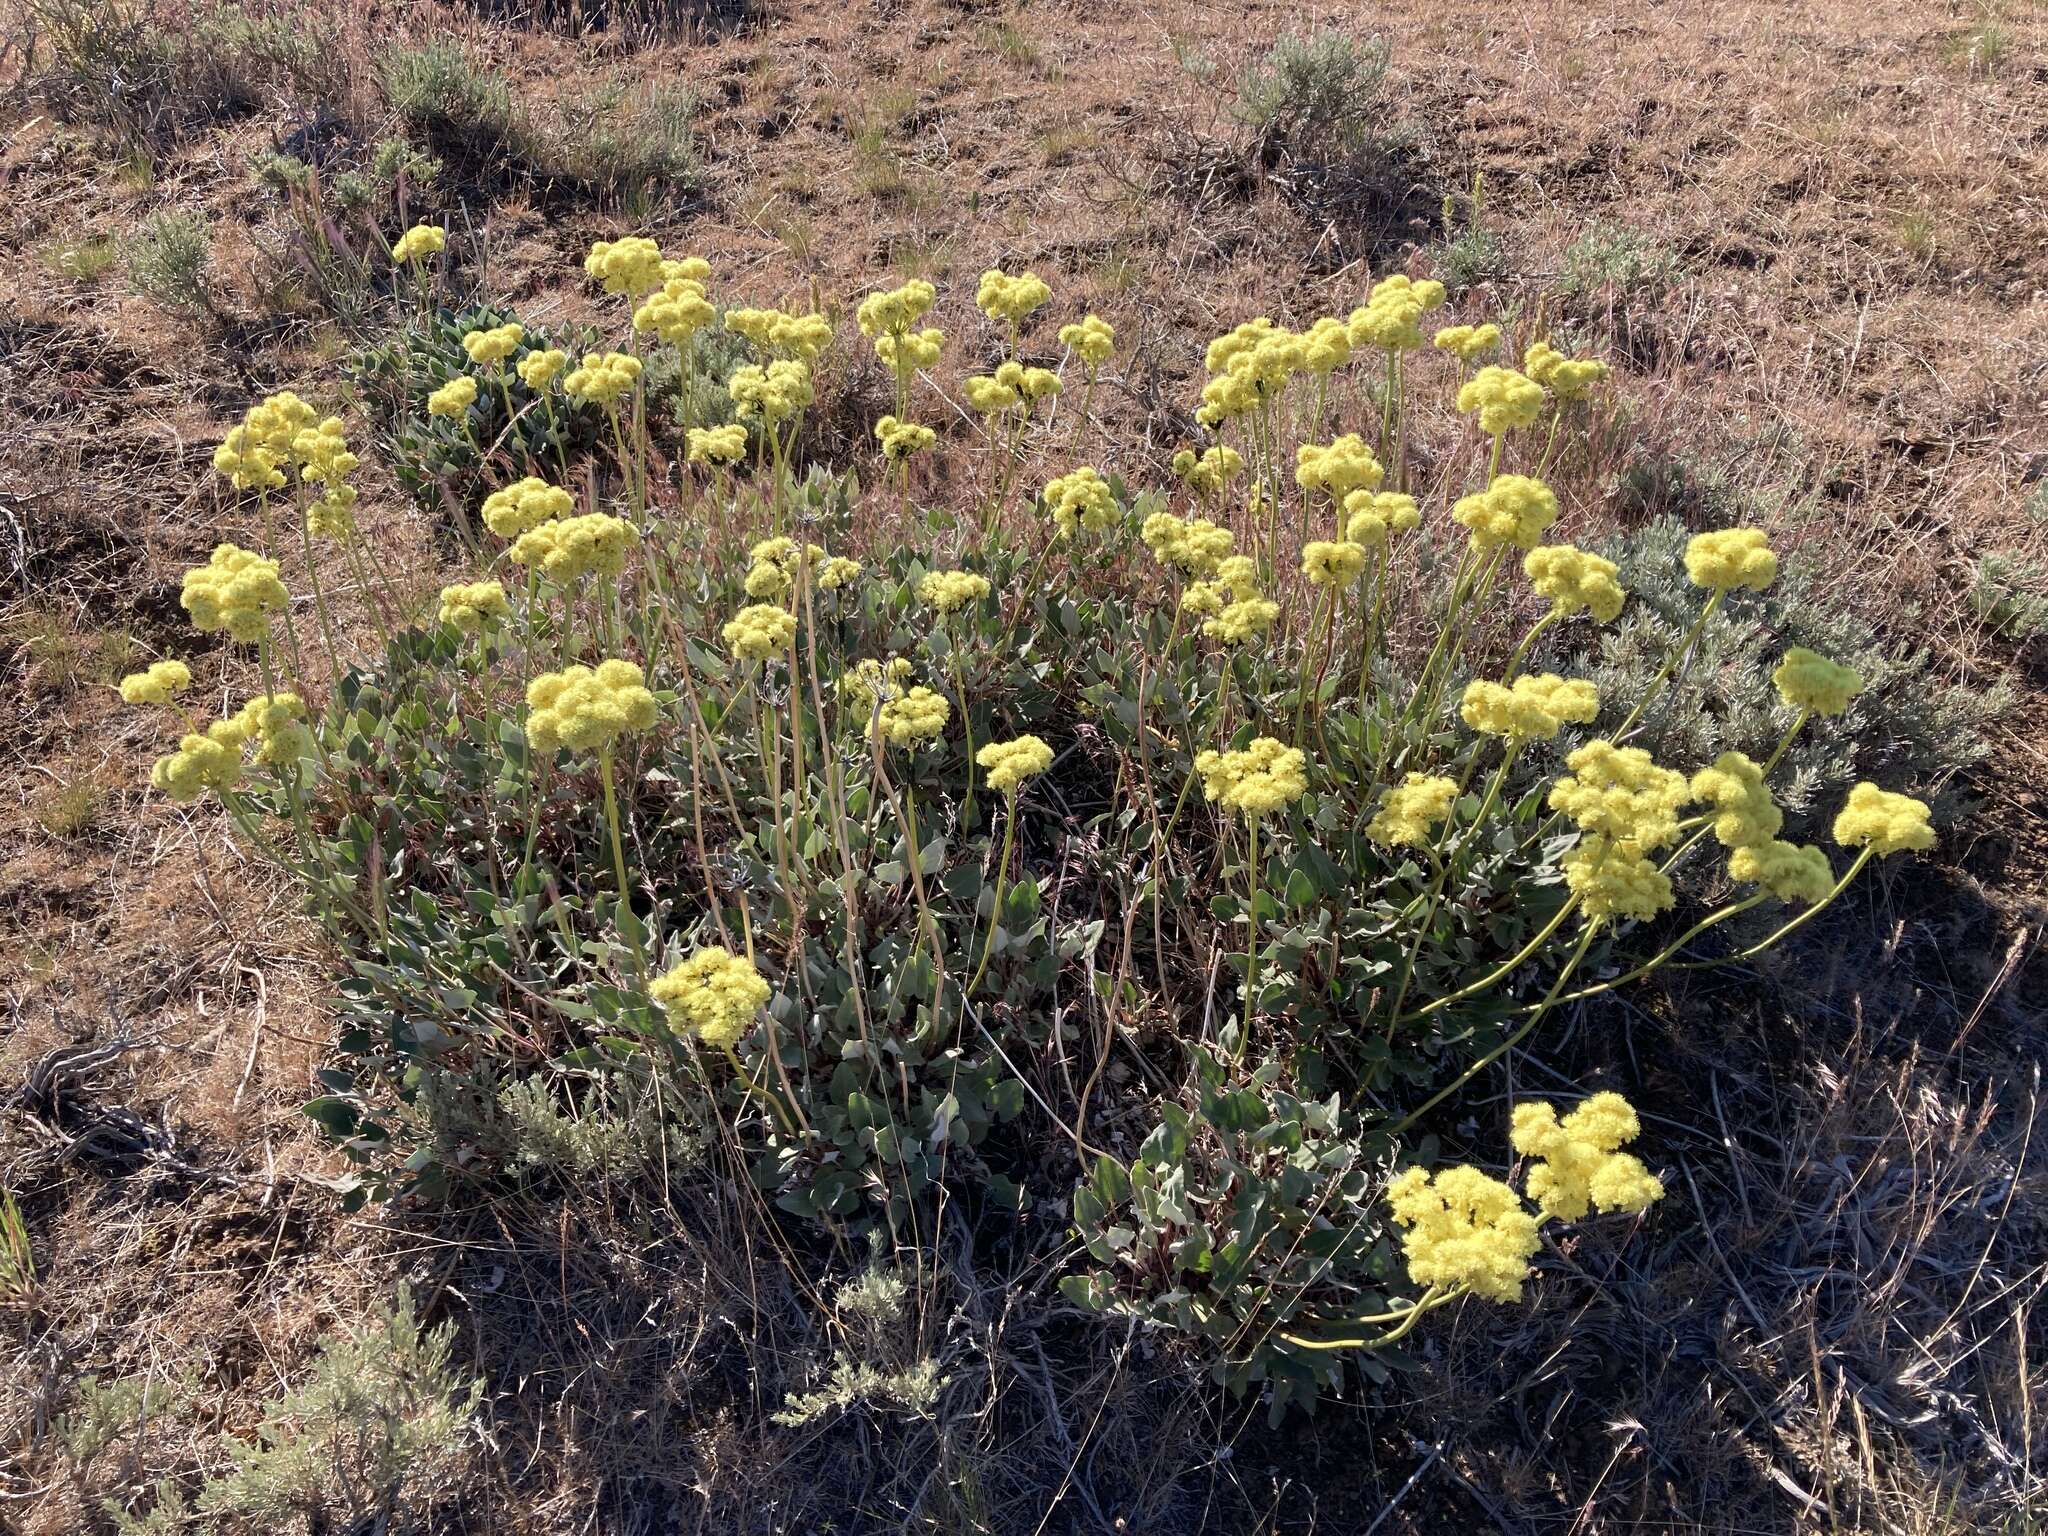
x: 861, y: 834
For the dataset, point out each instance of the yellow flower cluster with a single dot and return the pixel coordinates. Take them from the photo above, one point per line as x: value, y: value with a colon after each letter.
x: 1463, y: 1230
x: 525, y: 504
x: 1621, y: 793
x: 1617, y: 879
x: 894, y: 311
x: 419, y: 242
x: 1250, y: 363
x: 1194, y: 546
x: 912, y: 350
x: 1081, y: 498
x: 869, y: 684
x: 1092, y: 340
x: 1568, y: 378
x: 587, y: 709
x: 1808, y: 682
x: 603, y: 377
x: 675, y: 313
x: 1581, y: 1166
x: 949, y: 591
x: 1886, y: 822
x: 717, y: 445
x: 760, y: 631
x: 236, y: 590
x: 212, y: 760
x: 900, y: 439
x: 1265, y: 777
x: 1332, y: 565
x: 1532, y: 708
x: 774, y: 393
x: 1391, y: 317
x: 1009, y: 763
x: 777, y: 561
x: 781, y: 334
x: 1515, y: 509
x: 1372, y: 517
x: 1339, y: 467
x: 1409, y: 809
x: 470, y: 606
x: 1011, y: 385
x: 1746, y: 815
x: 493, y: 344
x: 332, y: 516
x: 1235, y: 622
x: 453, y: 398
x: 715, y: 993
x: 1325, y: 346
x: 158, y: 684
x: 1788, y: 871
x: 1503, y: 398
x: 322, y: 453
x: 919, y: 716
x: 1211, y: 470
x: 537, y: 370
x: 1002, y: 297
x: 1733, y: 557
x: 246, y: 462
x: 593, y: 544
x: 1467, y: 343
x: 1574, y: 580
x: 276, y: 723
x: 631, y: 266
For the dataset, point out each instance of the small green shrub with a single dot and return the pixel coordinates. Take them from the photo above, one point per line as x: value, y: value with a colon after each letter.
x: 2009, y: 595
x: 628, y: 148
x: 462, y: 109
x: 1471, y: 253
x: 167, y: 263
x: 1322, y: 96
x: 1616, y: 260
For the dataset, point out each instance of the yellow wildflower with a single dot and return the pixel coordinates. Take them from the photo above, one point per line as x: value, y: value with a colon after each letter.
x: 1244, y: 619
x: 525, y: 504
x: 868, y: 684
x: 1409, y: 809
x: 470, y: 606
x: 493, y: 344
x: 1574, y: 580
x: 1467, y: 343
x: 1339, y: 467
x: 1621, y: 793
x: 332, y: 515
x: 715, y: 993
x: 631, y: 266
x: 419, y: 242
x: 158, y: 684
x: 717, y: 445
x: 586, y: 709
x: 919, y: 716
x: 1463, y: 1230
x: 1265, y: 777
x: 1515, y: 509
x: 322, y: 453
x: 1533, y: 708
x: 1811, y: 684
x: 202, y: 762
x: 602, y: 377
x: 1734, y: 557
x: 1002, y: 297
x: 900, y: 439
x: 538, y: 368
x: 276, y: 723
x: 1616, y: 879
x: 1092, y: 340
x: 1580, y: 1165
x: 1009, y: 763
x: 894, y: 312
x: 592, y: 544
x: 1211, y: 470
x: 949, y: 591
x: 1081, y: 498
x: 1332, y: 565
x: 912, y: 350
x: 1789, y: 871
x: 1568, y: 378
x: 246, y: 462
x: 1193, y: 546
x: 1734, y: 786
x: 454, y: 398
x: 1503, y: 398
x: 1884, y: 821
x: 774, y: 393
x: 1372, y: 517
x: 760, y: 631
x: 677, y: 312
x: 236, y: 590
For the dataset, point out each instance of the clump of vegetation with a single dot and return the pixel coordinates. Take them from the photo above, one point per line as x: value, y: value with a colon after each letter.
x: 2009, y: 594
x: 1323, y: 96
x: 462, y: 109
x: 168, y: 261
x: 857, y: 835
x: 1618, y: 262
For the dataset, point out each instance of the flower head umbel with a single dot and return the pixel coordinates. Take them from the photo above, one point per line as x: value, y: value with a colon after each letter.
x: 1615, y: 878
x: 1463, y: 1230
x: 538, y: 368
x: 1332, y: 565
x: 1338, y: 467
x: 454, y: 398
x: 418, y: 243
x: 472, y: 606
x: 1808, y: 682
x: 236, y: 590
x: 772, y: 394
x: 917, y: 717
x: 1575, y: 581
x: 246, y: 462
x: 1373, y: 517
x: 524, y: 505
x: 602, y: 377
x: 493, y: 344
x: 1734, y: 557
x: 1265, y: 777
x: 715, y: 994
x: 900, y: 439
x: 1745, y: 813
x: 1532, y: 708
x: 950, y: 591
x: 1194, y: 546
x: 1003, y: 297
x: 1580, y: 1165
x: 1467, y: 343
x: 780, y: 335
x: 1503, y: 398
x: 1789, y: 871
x: 868, y: 684
x: 159, y: 684
x: 1515, y: 509
x: 1621, y: 793
x: 1884, y: 822
x: 1568, y: 378
x: 677, y: 312
x: 1091, y: 339
x: 276, y: 723
x: 760, y: 631
x: 717, y: 445
x: 1009, y: 763
x: 631, y: 266
x: 593, y: 544
x: 586, y: 709
x: 1410, y: 809
x: 895, y: 311
x: 1081, y: 498
x: 209, y: 760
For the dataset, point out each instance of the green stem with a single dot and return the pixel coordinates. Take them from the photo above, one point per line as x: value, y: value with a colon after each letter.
x: 996, y: 911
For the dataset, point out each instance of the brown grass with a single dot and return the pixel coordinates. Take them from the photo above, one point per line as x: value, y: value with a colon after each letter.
x: 1832, y: 1324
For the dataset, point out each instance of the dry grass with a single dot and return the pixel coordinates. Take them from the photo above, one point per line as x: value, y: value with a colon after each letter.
x: 1833, y: 1324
